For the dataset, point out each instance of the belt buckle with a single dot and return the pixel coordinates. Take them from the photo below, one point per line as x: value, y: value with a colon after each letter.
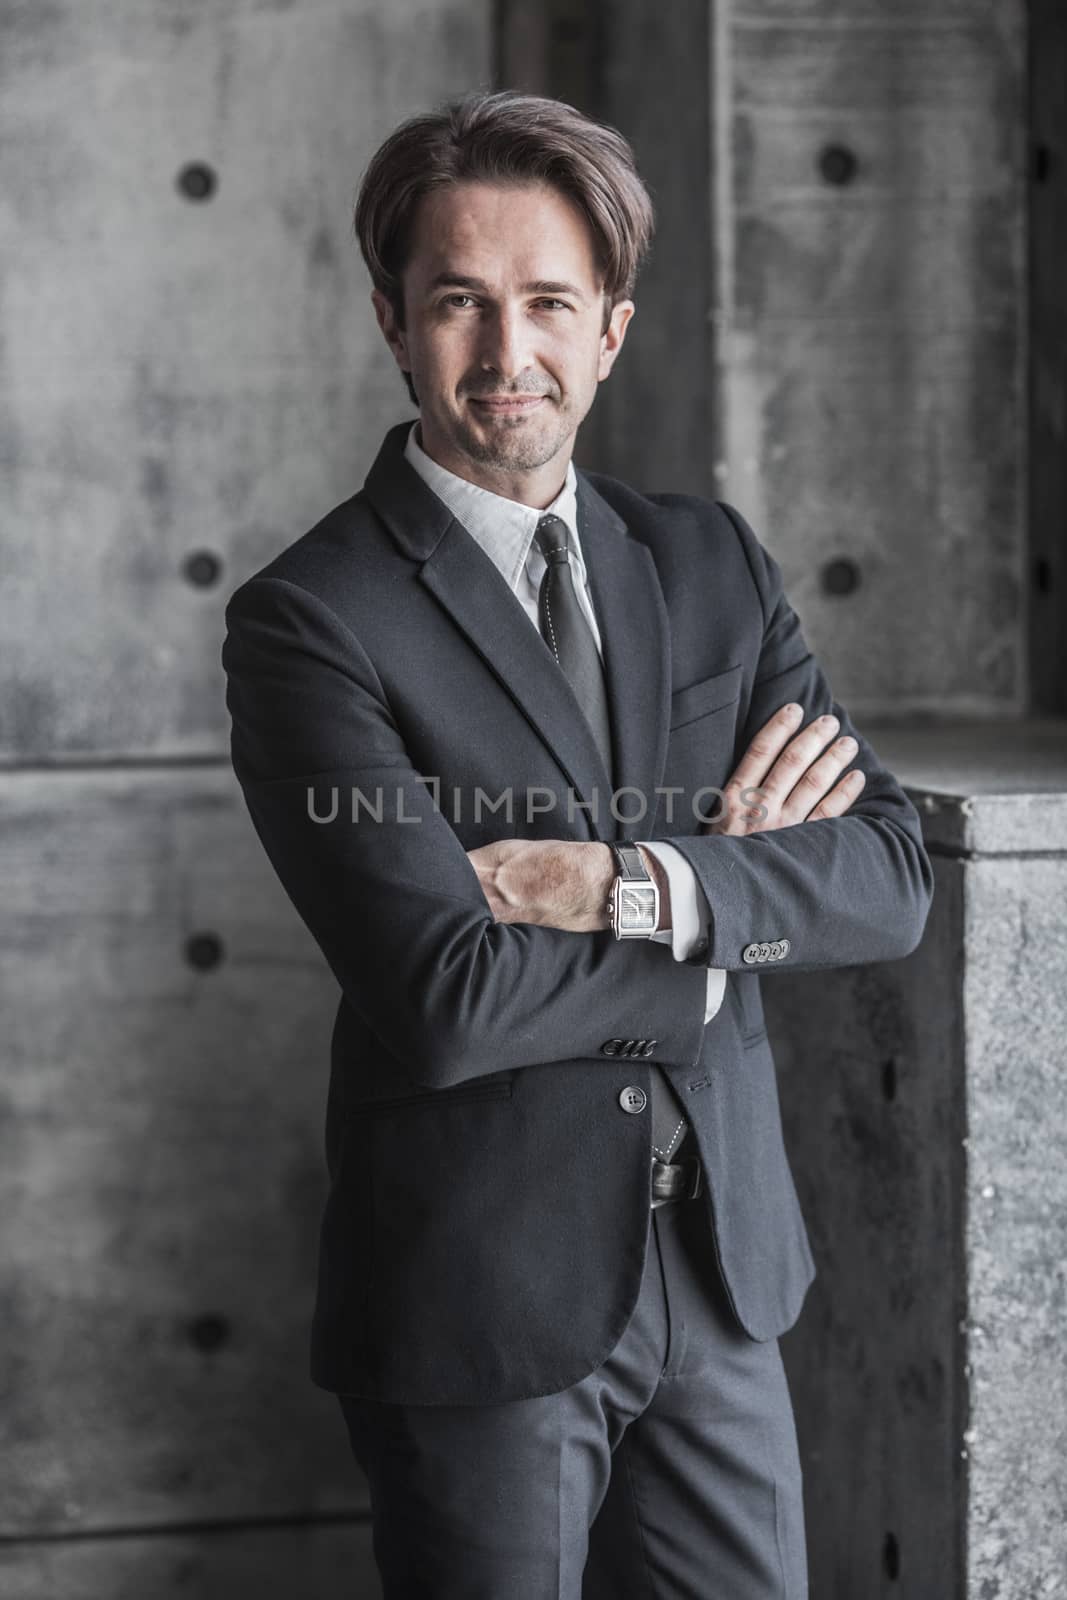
x: 693, y: 1185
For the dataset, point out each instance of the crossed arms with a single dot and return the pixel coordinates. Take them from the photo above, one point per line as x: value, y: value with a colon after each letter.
x: 786, y: 776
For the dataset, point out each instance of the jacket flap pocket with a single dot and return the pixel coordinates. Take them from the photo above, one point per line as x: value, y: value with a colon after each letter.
x: 493, y: 1087
x: 709, y: 694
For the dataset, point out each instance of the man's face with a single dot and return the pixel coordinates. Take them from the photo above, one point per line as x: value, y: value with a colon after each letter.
x: 503, y: 340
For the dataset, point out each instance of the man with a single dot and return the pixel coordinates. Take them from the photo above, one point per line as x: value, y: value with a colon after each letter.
x: 562, y: 1237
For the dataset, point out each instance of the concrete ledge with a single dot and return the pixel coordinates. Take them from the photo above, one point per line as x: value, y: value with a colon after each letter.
x: 983, y: 788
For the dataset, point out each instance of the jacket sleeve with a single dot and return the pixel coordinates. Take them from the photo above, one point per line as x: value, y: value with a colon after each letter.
x: 385, y: 886
x: 842, y: 890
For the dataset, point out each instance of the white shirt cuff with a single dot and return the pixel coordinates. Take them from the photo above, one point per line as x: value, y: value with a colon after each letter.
x: 689, y: 916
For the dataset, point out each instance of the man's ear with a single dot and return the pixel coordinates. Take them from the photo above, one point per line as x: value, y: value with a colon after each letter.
x: 394, y: 336
x: 612, y: 337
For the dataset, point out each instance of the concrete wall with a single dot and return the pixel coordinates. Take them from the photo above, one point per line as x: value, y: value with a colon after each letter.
x: 831, y: 331
x: 187, y: 382
x: 871, y: 334
x: 191, y: 376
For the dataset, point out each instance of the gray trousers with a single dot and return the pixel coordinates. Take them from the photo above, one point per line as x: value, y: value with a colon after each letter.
x: 669, y: 1473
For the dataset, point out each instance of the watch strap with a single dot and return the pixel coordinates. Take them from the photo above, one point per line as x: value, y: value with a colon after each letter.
x: 630, y: 864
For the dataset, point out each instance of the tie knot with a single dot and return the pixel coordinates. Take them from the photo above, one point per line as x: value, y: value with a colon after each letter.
x: 551, y: 539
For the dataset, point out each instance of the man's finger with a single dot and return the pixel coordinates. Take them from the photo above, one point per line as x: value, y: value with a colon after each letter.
x: 817, y: 781
x: 765, y: 746
x: 797, y: 757
x: 840, y: 797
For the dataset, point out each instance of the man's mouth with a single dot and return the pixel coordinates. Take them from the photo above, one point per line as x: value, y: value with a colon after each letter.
x: 509, y: 405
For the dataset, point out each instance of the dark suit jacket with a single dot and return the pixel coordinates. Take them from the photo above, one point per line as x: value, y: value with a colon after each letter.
x: 485, y: 1230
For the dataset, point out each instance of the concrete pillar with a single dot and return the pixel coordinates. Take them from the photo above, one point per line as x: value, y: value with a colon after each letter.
x: 926, y: 1104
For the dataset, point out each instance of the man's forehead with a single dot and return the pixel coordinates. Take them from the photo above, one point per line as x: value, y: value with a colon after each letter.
x: 449, y: 239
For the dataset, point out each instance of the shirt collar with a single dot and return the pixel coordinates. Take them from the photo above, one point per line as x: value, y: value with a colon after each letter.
x: 504, y: 528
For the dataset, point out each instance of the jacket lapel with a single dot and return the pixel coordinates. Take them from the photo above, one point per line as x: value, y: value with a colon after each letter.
x: 630, y: 612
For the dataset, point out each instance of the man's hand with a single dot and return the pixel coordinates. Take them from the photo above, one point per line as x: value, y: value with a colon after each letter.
x: 795, y: 773
x: 558, y: 883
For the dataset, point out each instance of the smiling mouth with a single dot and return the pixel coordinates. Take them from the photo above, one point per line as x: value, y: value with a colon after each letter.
x: 509, y: 406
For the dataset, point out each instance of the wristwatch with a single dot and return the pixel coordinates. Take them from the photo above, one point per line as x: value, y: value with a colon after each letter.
x: 634, y: 903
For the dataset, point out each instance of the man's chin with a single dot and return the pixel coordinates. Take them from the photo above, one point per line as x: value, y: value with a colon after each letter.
x: 516, y: 448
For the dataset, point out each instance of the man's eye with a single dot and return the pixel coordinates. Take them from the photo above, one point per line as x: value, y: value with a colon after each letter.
x: 551, y: 302
x: 452, y: 298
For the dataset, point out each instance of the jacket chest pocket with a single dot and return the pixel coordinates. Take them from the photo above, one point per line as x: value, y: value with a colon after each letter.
x: 695, y: 702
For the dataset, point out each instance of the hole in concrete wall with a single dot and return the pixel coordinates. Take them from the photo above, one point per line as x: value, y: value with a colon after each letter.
x: 197, y: 181
x: 1042, y: 575
x: 891, y: 1556
x: 202, y: 568
x: 203, y: 951
x: 837, y: 163
x: 889, y: 1079
x: 1041, y: 163
x: 208, y: 1331
x: 840, y: 577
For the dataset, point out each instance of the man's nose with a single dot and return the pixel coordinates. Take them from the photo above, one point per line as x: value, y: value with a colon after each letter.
x: 505, y: 343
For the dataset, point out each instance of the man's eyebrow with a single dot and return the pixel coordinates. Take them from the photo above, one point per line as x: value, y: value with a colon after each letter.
x: 459, y: 280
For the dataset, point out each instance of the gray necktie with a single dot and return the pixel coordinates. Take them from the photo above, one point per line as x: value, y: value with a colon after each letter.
x: 566, y: 631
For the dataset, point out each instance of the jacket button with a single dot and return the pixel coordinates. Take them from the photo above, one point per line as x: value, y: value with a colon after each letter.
x: 611, y: 1047
x: 750, y: 954
x: 700, y: 947
x: 633, y: 1098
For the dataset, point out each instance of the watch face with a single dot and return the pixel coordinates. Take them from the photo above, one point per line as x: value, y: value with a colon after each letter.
x: 637, y: 909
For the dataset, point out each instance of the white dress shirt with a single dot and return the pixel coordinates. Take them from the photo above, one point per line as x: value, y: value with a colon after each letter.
x: 505, y: 531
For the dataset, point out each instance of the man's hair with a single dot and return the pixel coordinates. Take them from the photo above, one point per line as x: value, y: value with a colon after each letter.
x: 511, y: 138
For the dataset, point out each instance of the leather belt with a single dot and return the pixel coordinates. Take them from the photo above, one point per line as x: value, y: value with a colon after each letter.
x: 678, y: 1180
